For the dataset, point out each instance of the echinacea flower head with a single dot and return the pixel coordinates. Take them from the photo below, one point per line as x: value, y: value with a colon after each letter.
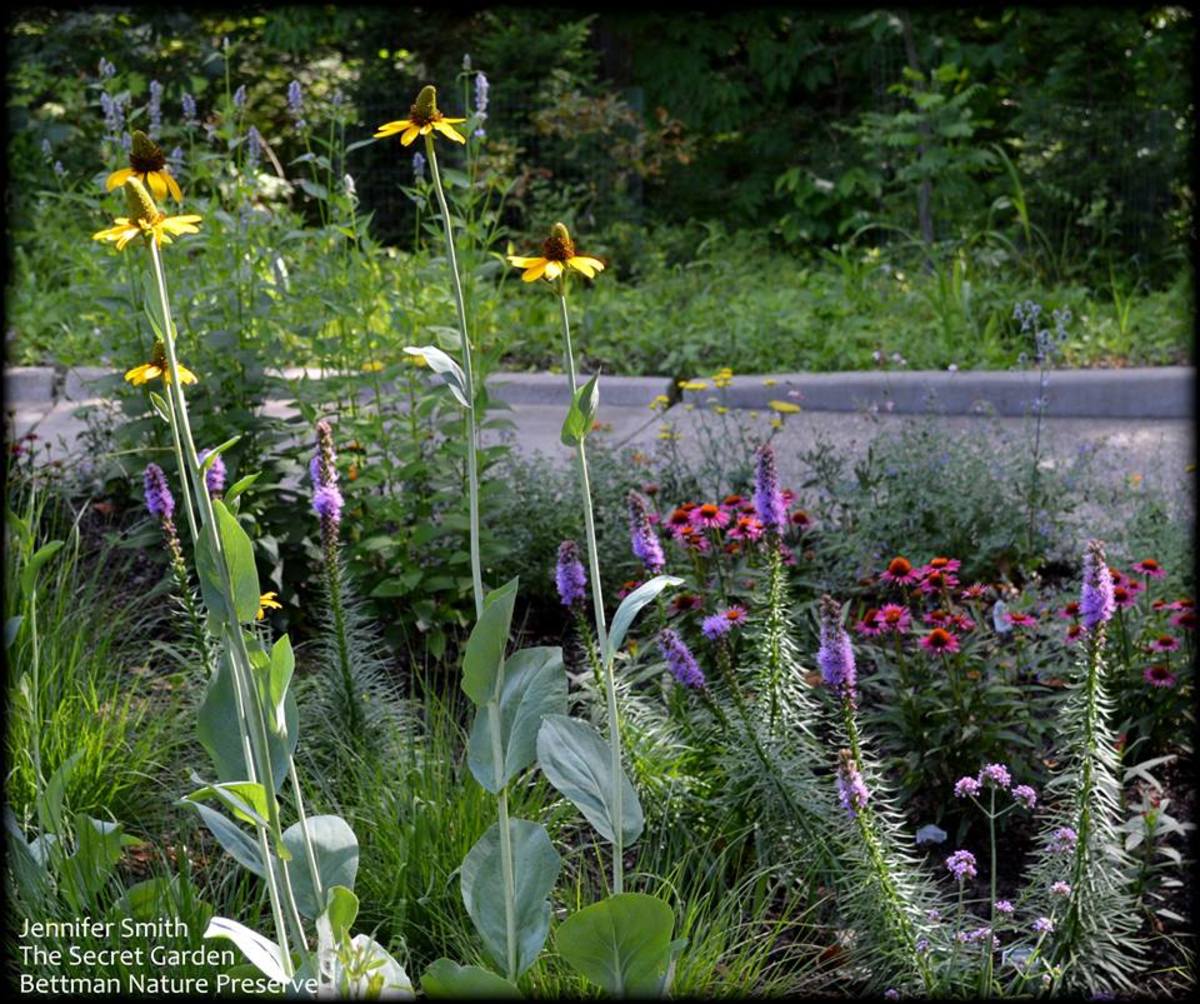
x: 900, y: 572
x: 424, y: 117
x: 801, y: 519
x: 159, y: 499
x: 995, y: 773
x: 158, y: 367
x: 627, y: 587
x: 1159, y: 675
x: 934, y: 580
x: 709, y: 516
x: 965, y: 787
x: 1164, y: 643
x: 1018, y: 618
x: 569, y: 575
x: 1024, y: 794
x: 939, y: 641
x: 680, y: 661
x: 961, y: 865
x: 942, y: 564
x: 214, y: 477
x: 1151, y: 568
x: 895, y: 618
x: 1096, y: 604
x: 148, y: 164
x: 644, y: 541
x: 851, y: 789
x: 268, y: 601
x: 558, y: 255
x: 1074, y: 633
x: 748, y: 528
x: 1070, y: 612
x: 1185, y: 619
x: 835, y: 656
x: 768, y: 500
x: 145, y: 220
x: 681, y: 603
x: 869, y: 625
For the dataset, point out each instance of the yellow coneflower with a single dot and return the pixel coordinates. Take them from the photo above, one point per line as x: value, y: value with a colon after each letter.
x: 157, y: 367
x: 784, y: 407
x: 148, y: 164
x: 267, y: 602
x: 146, y: 220
x: 693, y: 385
x: 423, y: 118
x: 558, y: 255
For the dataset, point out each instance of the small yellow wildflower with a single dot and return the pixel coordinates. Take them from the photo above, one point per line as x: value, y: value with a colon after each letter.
x: 423, y: 118
x: 145, y: 220
x: 148, y: 164
x: 660, y: 402
x: 558, y: 255
x: 777, y: 423
x: 720, y: 409
x: 668, y: 433
x: 267, y: 602
x: 374, y: 366
x: 157, y: 367
x: 784, y: 407
x: 693, y: 385
x: 769, y: 382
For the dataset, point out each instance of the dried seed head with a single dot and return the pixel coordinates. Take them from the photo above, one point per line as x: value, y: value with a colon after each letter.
x: 558, y: 246
x: 425, y: 108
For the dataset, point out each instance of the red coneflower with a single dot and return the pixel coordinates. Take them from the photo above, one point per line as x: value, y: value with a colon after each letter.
x: 1070, y: 612
x: 935, y: 581
x: 1117, y: 575
x: 941, y: 564
x: 1158, y: 675
x: 1150, y: 568
x: 1184, y: 603
x: 691, y: 537
x: 683, y: 602
x: 895, y: 618
x: 1185, y: 619
x: 627, y: 588
x: 746, y: 528
x: 937, y: 617
x: 939, y: 641
x: 963, y: 623
x: 1018, y: 618
x: 900, y: 572
x: 975, y: 591
x: 732, y: 501
x: 869, y: 625
x: 709, y: 516
x: 678, y: 521
x: 801, y: 519
x: 1164, y: 643
x: 1125, y: 597
x: 1074, y: 633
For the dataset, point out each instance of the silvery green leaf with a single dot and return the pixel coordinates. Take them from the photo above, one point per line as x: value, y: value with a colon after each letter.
x: 631, y: 606
x: 450, y: 372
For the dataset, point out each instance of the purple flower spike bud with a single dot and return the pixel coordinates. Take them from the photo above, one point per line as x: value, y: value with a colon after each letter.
x: 1096, y: 603
x: 159, y: 499
x: 680, y: 661
x: 214, y: 477
x: 569, y: 574
x: 835, y: 657
x: 645, y: 542
x: 768, y: 500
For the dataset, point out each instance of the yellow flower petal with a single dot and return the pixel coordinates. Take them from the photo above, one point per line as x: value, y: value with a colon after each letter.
x: 173, y: 185
x: 784, y: 407
x: 137, y: 376
x: 267, y: 602
x: 519, y: 262
x: 446, y: 129
x: 117, y: 178
x: 582, y: 261
x: 391, y: 128
x: 554, y: 269
x: 156, y: 183
x: 411, y: 133
x: 534, y: 273
x: 185, y: 375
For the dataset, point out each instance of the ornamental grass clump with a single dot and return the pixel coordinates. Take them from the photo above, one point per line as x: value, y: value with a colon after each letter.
x: 247, y: 721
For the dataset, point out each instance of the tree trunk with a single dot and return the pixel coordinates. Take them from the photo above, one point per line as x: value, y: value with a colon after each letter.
x: 925, y: 189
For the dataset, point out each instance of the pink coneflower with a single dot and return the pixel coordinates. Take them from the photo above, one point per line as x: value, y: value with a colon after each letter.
x: 709, y: 516
x: 1184, y: 603
x: 1070, y: 612
x: 1150, y: 568
x: 679, y: 520
x: 681, y: 603
x: 935, y: 581
x: 746, y: 528
x: 1185, y: 619
x: 735, y: 615
x: 694, y: 539
x: 1116, y: 575
x: 937, y: 618
x: 975, y: 591
x: 1074, y: 633
x: 939, y: 641
x: 900, y: 572
x: 1164, y: 643
x: 627, y: 588
x: 962, y: 623
x: 869, y: 625
x: 732, y: 501
x: 895, y: 618
x: 1159, y: 604
x: 1018, y: 618
x: 788, y: 496
x: 1158, y: 675
x: 1124, y: 596
x: 940, y: 564
x: 801, y: 520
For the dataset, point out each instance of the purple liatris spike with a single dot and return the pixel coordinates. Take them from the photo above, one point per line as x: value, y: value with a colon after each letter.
x: 214, y: 477
x: 768, y: 500
x: 835, y: 657
x: 680, y: 661
x: 645, y: 542
x: 327, y: 503
x: 159, y: 500
x: 327, y: 499
x: 851, y: 788
x: 1096, y: 603
x: 569, y: 575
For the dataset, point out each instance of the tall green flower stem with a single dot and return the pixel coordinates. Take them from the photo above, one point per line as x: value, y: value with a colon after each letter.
x: 610, y: 687
x: 468, y: 380
x: 255, y: 745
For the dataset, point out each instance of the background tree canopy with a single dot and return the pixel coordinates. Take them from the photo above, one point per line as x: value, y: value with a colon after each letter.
x: 1067, y: 128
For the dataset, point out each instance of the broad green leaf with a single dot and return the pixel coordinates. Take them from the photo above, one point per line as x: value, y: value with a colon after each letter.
x: 283, y: 664
x: 263, y: 953
x: 245, y: 799
x: 622, y: 944
x: 43, y: 554
x: 236, y: 842
x: 341, y: 907
x: 211, y: 457
x: 446, y: 368
x: 99, y: 846
x: 220, y: 734
x: 581, y: 413
x: 336, y: 851
x: 578, y: 762
x: 239, y: 486
x: 160, y: 406
x: 12, y: 627
x: 535, y: 870
x: 239, y: 559
x: 535, y: 685
x: 484, y: 656
x: 448, y: 980
x: 632, y: 605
